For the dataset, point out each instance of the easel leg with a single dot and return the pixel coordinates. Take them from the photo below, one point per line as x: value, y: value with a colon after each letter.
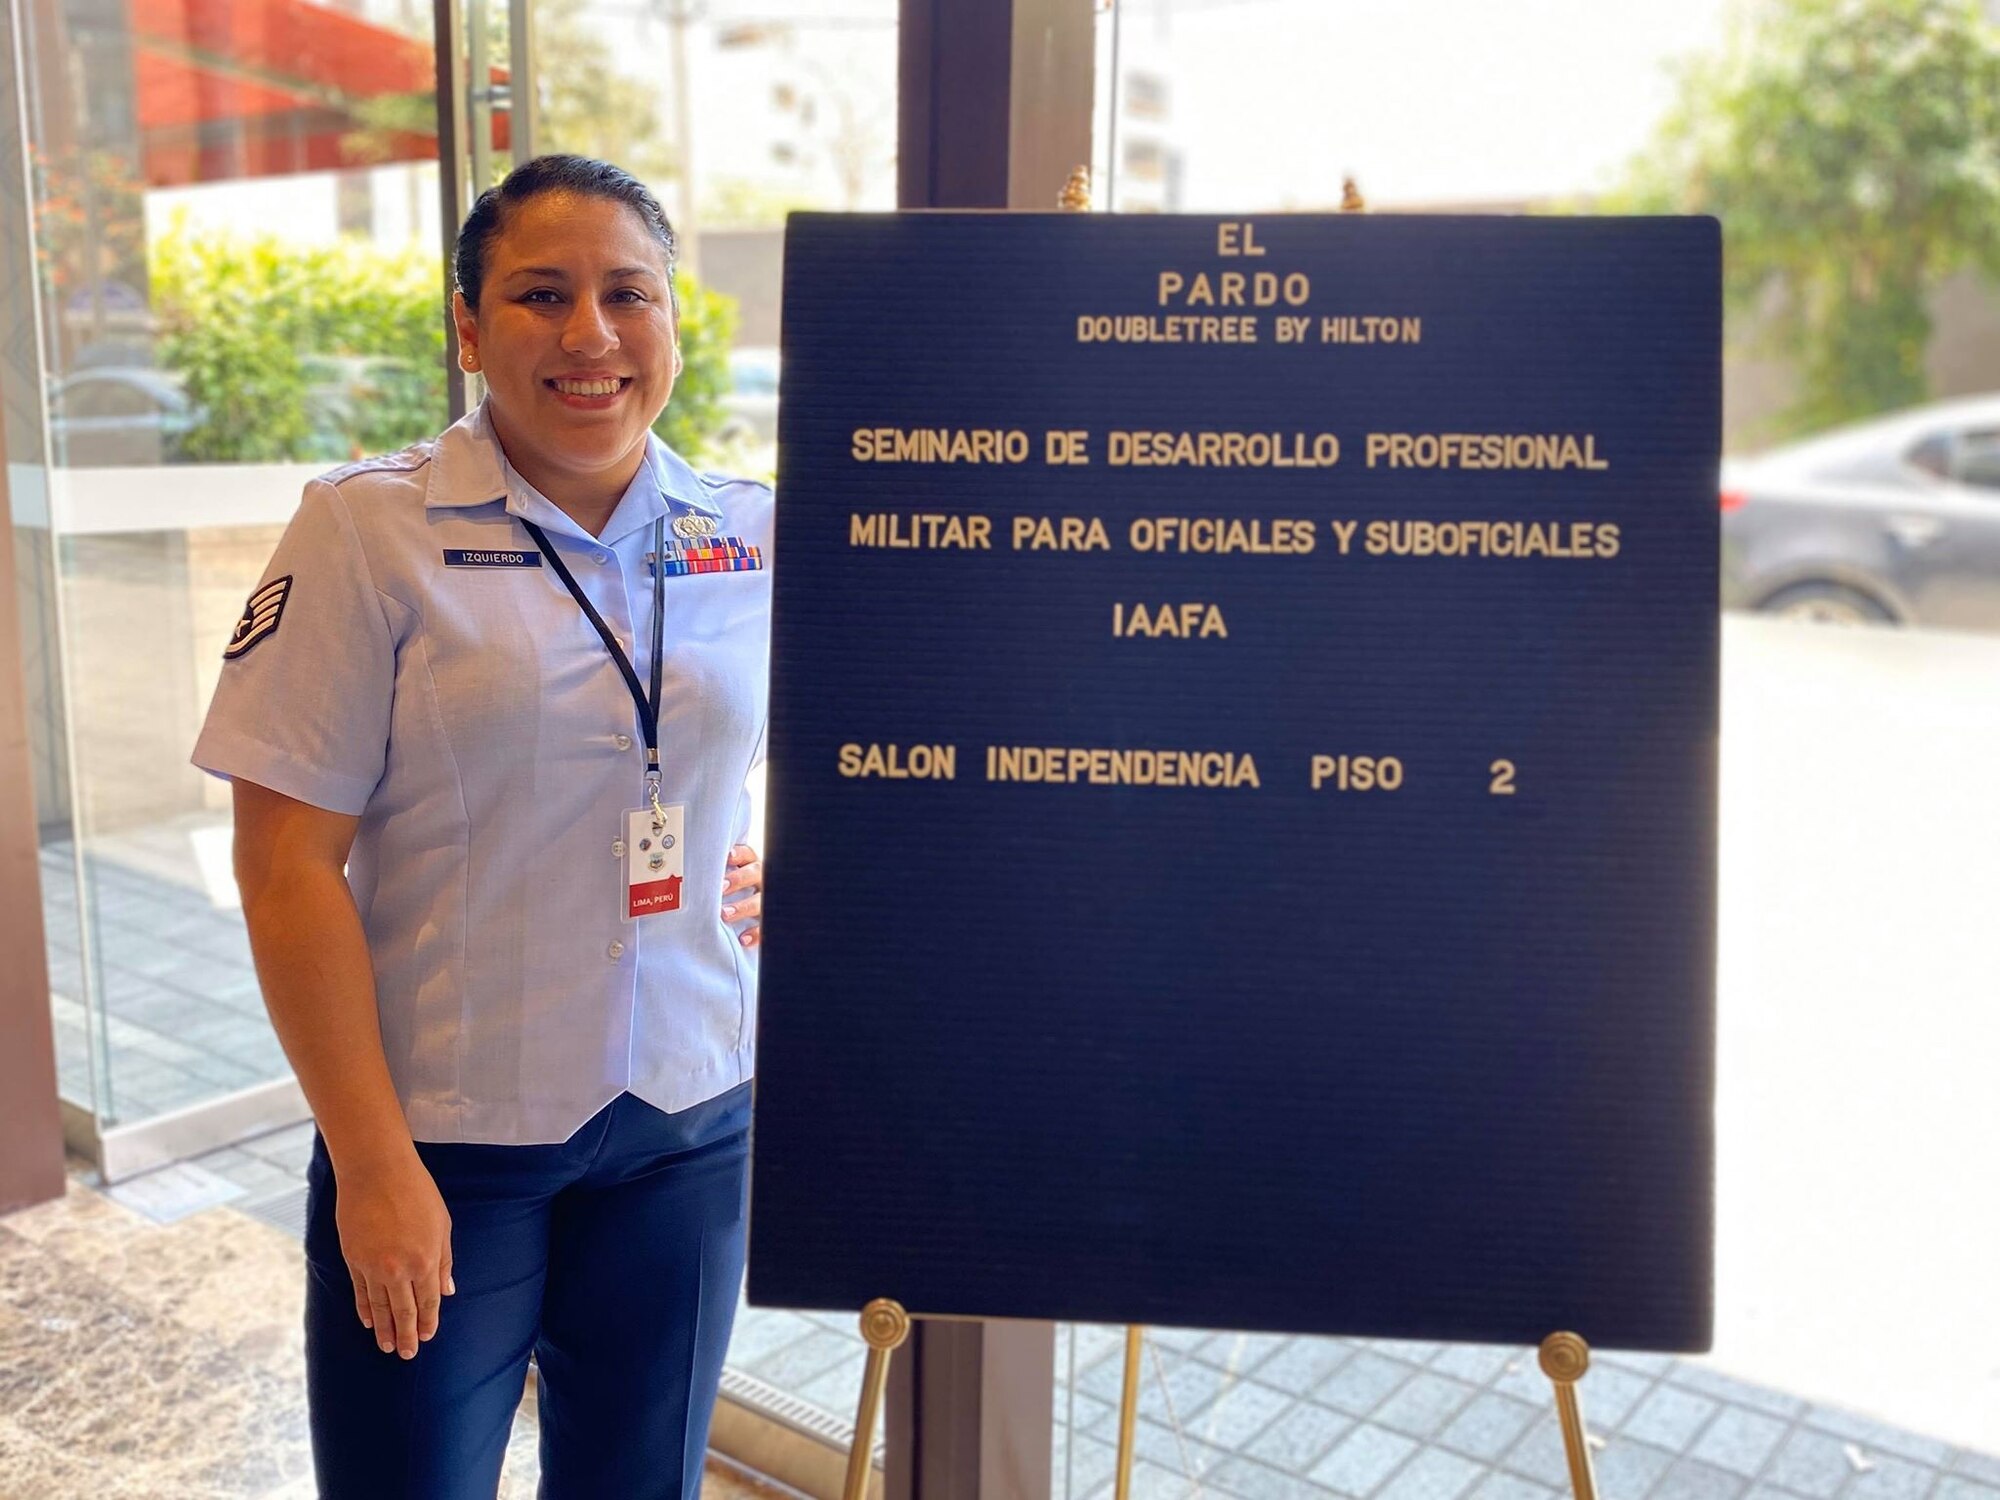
x: 1128, y: 1409
x: 1565, y: 1358
x: 884, y: 1325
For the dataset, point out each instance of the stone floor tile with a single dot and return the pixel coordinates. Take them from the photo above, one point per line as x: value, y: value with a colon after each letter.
x: 1476, y: 1363
x: 1242, y: 1478
x: 1085, y: 1466
x: 761, y: 1332
x: 1241, y: 1412
x: 1151, y: 1481
x: 1178, y: 1389
x: 1300, y: 1436
x: 1728, y: 1389
x: 1811, y: 1464
x: 1689, y: 1479
x: 1361, y: 1385
x: 1303, y: 1363
x: 1740, y: 1440
x: 1422, y: 1405
x: 1522, y: 1378
x: 1893, y: 1479
x: 1981, y: 1468
x: 1182, y: 1451
x: 1669, y: 1417
x: 1640, y: 1364
x: 806, y: 1359
x: 1363, y: 1460
x: 1610, y: 1394
x: 1488, y: 1426
x: 1409, y: 1351
x: 1878, y: 1437
x: 1501, y: 1486
x: 1432, y: 1474
x: 1241, y: 1353
x: 1627, y: 1468
x: 1538, y: 1456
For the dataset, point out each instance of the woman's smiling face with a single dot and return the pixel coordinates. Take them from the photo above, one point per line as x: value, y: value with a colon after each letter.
x: 577, y: 337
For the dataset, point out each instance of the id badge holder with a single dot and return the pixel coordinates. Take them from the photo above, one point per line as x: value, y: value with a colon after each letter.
x: 655, y: 855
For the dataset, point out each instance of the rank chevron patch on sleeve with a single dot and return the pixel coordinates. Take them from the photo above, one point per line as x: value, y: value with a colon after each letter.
x: 260, y: 617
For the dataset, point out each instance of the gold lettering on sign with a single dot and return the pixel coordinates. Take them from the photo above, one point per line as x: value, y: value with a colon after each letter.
x: 897, y: 763
x: 1181, y: 622
x: 1064, y: 765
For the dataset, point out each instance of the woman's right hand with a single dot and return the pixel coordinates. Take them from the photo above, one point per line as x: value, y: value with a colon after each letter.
x: 395, y: 1235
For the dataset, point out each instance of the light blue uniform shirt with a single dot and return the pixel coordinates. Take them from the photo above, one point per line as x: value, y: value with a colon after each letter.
x: 473, y: 720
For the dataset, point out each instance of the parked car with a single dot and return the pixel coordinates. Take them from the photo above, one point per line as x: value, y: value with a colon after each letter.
x: 750, y: 410
x: 118, y: 415
x: 1891, y: 521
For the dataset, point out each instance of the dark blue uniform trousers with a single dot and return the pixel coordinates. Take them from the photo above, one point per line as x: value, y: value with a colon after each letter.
x: 615, y: 1257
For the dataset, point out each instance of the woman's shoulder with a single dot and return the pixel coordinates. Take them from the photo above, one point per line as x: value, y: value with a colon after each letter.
x: 384, y: 474
x: 745, y: 505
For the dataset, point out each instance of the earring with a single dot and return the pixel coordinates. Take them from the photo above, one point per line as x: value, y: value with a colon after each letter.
x: 469, y: 360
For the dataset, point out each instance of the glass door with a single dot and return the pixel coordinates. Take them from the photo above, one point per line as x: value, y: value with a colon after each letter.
x: 228, y: 282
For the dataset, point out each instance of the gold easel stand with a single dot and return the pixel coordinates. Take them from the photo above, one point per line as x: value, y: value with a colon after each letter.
x: 1564, y: 1359
x: 884, y: 1327
x: 1075, y: 195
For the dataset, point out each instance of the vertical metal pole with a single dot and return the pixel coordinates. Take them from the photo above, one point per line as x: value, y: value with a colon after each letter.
x: 524, y: 105
x: 1128, y: 1410
x: 479, y: 94
x: 31, y: 1137
x: 884, y: 1325
x: 687, y: 232
x: 448, y: 40
x: 1117, y: 102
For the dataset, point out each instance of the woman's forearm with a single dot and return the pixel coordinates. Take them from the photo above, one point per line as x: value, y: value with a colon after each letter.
x: 312, y: 959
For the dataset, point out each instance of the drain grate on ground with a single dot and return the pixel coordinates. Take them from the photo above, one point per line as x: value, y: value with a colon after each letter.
x: 284, y: 1210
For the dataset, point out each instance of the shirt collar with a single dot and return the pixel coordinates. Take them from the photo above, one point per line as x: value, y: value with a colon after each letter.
x: 468, y: 468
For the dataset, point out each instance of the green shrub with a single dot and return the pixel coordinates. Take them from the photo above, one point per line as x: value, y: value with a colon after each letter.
x: 322, y: 353
x: 694, y: 414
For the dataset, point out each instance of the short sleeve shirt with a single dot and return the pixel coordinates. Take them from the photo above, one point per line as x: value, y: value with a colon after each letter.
x: 411, y: 659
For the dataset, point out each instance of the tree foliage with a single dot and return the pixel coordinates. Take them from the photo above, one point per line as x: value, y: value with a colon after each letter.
x: 320, y: 353
x: 299, y: 352
x: 1851, y: 149
x: 694, y: 414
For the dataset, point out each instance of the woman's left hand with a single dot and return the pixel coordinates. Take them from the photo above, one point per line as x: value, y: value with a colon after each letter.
x: 743, y: 893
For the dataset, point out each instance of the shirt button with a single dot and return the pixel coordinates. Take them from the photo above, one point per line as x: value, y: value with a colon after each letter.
x: 615, y: 951
x: 623, y: 742
x: 602, y: 558
x: 618, y: 847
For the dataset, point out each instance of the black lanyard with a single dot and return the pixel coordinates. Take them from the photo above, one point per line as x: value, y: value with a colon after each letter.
x: 649, y: 708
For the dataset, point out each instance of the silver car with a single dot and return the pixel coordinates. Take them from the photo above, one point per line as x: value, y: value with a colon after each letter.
x: 1893, y: 521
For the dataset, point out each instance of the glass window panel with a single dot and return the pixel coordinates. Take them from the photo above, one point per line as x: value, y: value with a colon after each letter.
x: 236, y: 283
x: 1843, y: 1117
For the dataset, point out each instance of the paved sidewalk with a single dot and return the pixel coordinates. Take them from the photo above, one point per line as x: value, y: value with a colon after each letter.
x: 1269, y: 1417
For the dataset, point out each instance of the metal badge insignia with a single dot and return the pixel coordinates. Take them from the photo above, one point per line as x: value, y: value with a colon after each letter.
x: 691, y: 526
x: 656, y: 861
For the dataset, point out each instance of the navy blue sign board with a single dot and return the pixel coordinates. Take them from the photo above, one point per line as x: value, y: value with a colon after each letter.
x: 1243, y: 774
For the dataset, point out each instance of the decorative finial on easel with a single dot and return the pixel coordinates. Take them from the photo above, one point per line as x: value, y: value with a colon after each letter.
x: 1075, y: 196
x: 1351, y: 201
x: 1565, y: 1359
x: 884, y: 1326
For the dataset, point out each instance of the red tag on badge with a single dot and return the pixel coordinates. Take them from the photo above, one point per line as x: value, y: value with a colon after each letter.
x: 654, y: 856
